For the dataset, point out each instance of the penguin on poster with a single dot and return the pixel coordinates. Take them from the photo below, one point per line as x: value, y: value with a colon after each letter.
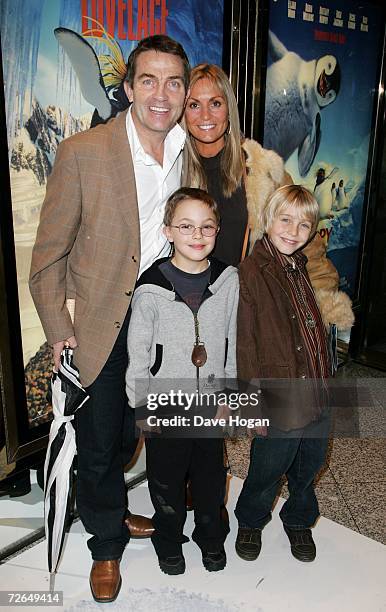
x: 296, y: 93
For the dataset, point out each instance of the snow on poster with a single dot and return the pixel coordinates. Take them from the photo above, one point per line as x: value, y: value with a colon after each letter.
x: 322, y: 78
x: 46, y: 102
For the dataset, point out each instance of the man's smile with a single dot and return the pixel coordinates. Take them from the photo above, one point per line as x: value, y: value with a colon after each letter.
x: 158, y: 109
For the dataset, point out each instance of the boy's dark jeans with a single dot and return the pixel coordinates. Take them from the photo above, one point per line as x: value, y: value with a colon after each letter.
x: 168, y: 462
x: 296, y: 454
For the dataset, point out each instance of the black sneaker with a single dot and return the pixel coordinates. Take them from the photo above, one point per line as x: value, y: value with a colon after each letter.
x: 248, y: 543
x: 214, y: 561
x: 172, y: 565
x: 302, y: 545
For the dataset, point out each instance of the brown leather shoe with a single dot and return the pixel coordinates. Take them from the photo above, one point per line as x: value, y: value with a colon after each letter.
x: 105, y: 580
x: 139, y: 526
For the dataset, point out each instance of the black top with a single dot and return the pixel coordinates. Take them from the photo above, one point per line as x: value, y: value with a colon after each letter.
x: 190, y: 287
x: 233, y: 212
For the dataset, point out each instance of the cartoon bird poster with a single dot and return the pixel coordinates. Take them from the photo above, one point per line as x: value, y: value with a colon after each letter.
x: 322, y: 78
x: 63, y: 61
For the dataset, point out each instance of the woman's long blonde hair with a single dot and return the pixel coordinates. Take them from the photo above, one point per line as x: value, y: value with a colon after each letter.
x: 232, y: 160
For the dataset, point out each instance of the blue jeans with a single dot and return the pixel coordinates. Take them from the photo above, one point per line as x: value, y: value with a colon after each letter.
x: 296, y: 454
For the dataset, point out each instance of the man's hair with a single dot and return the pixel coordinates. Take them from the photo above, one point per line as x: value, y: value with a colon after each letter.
x: 162, y: 44
x: 189, y: 193
x: 289, y: 195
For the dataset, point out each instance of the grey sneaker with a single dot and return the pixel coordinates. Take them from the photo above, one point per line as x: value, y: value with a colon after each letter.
x: 302, y: 545
x: 248, y: 543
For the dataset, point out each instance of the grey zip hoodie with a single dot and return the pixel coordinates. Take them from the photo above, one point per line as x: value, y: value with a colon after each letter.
x: 161, y: 335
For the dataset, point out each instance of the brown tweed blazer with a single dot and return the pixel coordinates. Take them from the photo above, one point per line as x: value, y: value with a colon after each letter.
x: 88, y: 245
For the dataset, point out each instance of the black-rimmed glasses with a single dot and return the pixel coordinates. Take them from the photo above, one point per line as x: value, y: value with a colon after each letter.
x: 188, y: 229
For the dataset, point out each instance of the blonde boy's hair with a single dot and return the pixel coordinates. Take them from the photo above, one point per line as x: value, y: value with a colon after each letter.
x: 289, y: 195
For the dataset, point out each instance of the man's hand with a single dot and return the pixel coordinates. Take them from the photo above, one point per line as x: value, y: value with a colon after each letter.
x: 144, y: 426
x: 57, y: 348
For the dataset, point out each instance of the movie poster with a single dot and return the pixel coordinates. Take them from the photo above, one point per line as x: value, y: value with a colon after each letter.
x: 322, y: 79
x: 54, y: 53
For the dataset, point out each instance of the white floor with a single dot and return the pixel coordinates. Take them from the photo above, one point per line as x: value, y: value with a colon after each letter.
x: 347, y: 576
x: 20, y: 516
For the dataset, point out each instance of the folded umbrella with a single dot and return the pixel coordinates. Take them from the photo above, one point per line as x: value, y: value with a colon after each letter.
x: 67, y: 396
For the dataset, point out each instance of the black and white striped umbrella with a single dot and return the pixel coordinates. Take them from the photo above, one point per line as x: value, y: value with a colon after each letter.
x: 67, y: 396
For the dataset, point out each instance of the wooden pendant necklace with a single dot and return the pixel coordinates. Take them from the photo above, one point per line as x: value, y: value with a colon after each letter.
x: 199, y: 355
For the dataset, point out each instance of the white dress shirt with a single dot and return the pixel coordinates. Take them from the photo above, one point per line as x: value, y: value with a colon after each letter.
x: 154, y: 184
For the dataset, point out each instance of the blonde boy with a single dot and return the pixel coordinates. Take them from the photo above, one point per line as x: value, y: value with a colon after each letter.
x: 281, y: 335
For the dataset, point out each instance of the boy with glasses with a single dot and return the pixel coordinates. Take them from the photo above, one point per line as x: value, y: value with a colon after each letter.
x: 182, y: 333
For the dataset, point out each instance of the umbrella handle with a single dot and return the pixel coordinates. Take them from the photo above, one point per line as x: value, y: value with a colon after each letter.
x: 52, y: 581
x: 66, y: 356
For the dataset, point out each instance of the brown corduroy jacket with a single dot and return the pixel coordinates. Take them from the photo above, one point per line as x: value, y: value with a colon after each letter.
x: 270, y: 344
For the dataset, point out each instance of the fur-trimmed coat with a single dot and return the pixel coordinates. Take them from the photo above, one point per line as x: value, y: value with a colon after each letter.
x: 265, y: 173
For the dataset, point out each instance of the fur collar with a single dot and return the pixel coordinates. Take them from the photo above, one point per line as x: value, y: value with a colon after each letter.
x: 265, y: 173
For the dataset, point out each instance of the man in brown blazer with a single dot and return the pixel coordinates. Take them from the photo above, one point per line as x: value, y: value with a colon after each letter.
x: 99, y: 228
